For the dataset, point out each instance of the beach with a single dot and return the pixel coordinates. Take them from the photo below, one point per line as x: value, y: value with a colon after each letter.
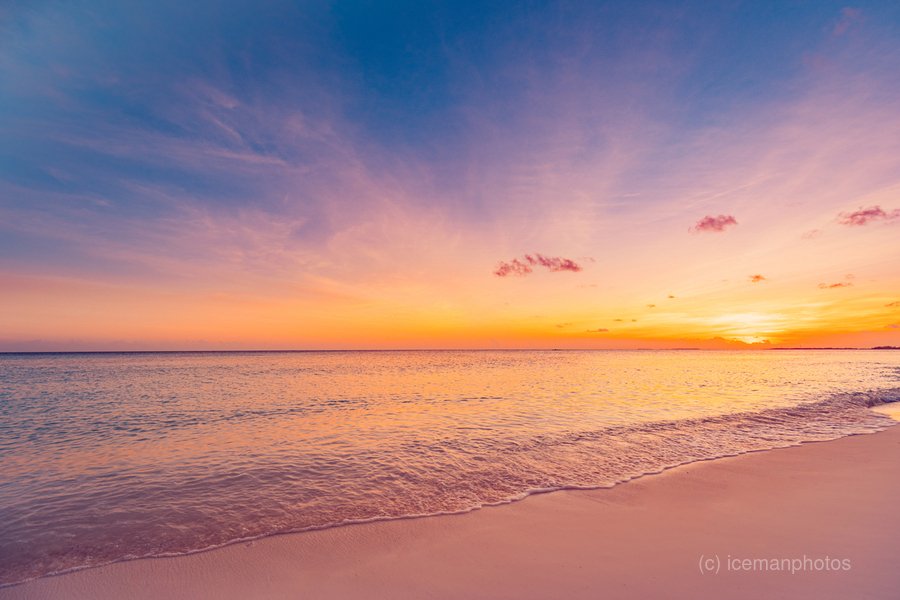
x: 379, y: 300
x: 825, y: 510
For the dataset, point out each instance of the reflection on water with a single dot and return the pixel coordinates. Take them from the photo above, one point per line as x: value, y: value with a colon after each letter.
x: 112, y: 456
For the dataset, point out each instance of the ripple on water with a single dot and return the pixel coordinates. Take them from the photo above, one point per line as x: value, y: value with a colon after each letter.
x: 106, y: 457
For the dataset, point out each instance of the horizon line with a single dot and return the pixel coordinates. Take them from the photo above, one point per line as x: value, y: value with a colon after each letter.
x: 336, y: 350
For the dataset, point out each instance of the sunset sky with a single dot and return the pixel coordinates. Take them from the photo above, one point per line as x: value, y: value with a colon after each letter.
x: 205, y: 175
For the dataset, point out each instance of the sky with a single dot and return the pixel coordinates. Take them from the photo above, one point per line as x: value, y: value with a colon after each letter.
x: 313, y: 175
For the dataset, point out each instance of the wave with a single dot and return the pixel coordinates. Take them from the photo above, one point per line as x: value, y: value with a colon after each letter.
x: 503, y: 471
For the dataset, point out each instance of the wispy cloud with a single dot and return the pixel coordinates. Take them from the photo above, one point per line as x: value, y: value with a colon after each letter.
x: 893, y: 305
x: 527, y: 264
x: 757, y: 278
x: 849, y: 17
x: 715, y: 224
x: 864, y: 216
x: 600, y: 330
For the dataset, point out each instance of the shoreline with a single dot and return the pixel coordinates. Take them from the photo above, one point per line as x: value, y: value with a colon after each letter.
x: 584, y: 543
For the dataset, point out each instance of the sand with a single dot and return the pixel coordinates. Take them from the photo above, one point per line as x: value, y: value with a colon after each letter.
x: 643, y: 539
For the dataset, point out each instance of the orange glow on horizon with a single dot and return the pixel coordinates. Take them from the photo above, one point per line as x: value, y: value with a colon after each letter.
x: 114, y: 317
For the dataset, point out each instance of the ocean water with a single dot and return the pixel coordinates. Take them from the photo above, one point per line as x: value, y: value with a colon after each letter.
x: 106, y: 457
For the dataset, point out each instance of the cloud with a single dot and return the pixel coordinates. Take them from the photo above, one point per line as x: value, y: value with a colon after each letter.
x: 563, y: 325
x: 893, y: 305
x: 601, y: 330
x: 671, y: 297
x: 849, y: 17
x: 830, y: 286
x: 812, y: 233
x: 618, y: 320
x: 894, y: 326
x: 526, y: 265
x: 757, y: 278
x: 514, y: 267
x: 554, y: 263
x: 864, y: 216
x: 651, y: 306
x: 714, y: 224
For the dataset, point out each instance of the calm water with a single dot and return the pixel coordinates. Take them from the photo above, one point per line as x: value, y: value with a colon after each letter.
x: 105, y: 457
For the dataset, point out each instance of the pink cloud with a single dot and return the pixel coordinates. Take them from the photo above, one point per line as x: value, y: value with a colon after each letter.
x: 526, y: 265
x: 864, y: 216
x: 757, y: 278
x: 514, y: 267
x: 715, y: 224
x: 894, y: 326
x: 554, y: 263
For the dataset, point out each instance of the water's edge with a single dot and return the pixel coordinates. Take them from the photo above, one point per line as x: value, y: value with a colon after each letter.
x: 885, y: 422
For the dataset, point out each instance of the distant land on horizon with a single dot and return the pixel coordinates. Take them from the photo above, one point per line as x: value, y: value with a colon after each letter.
x: 845, y: 348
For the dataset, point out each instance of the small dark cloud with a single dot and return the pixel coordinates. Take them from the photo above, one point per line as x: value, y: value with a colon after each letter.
x: 848, y: 282
x: 715, y: 224
x: 620, y: 320
x: 563, y: 325
x: 553, y: 263
x: 651, y: 306
x: 757, y: 278
x: 601, y: 330
x: 893, y: 305
x: 513, y: 267
x: 864, y: 216
x: 831, y: 286
x: 671, y: 297
x: 527, y: 264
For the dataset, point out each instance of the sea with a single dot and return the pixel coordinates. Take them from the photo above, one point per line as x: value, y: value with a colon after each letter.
x: 107, y: 457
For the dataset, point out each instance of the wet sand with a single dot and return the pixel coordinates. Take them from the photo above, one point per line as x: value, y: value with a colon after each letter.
x: 643, y: 539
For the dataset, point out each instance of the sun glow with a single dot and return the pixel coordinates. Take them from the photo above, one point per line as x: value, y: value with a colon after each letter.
x: 751, y: 325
